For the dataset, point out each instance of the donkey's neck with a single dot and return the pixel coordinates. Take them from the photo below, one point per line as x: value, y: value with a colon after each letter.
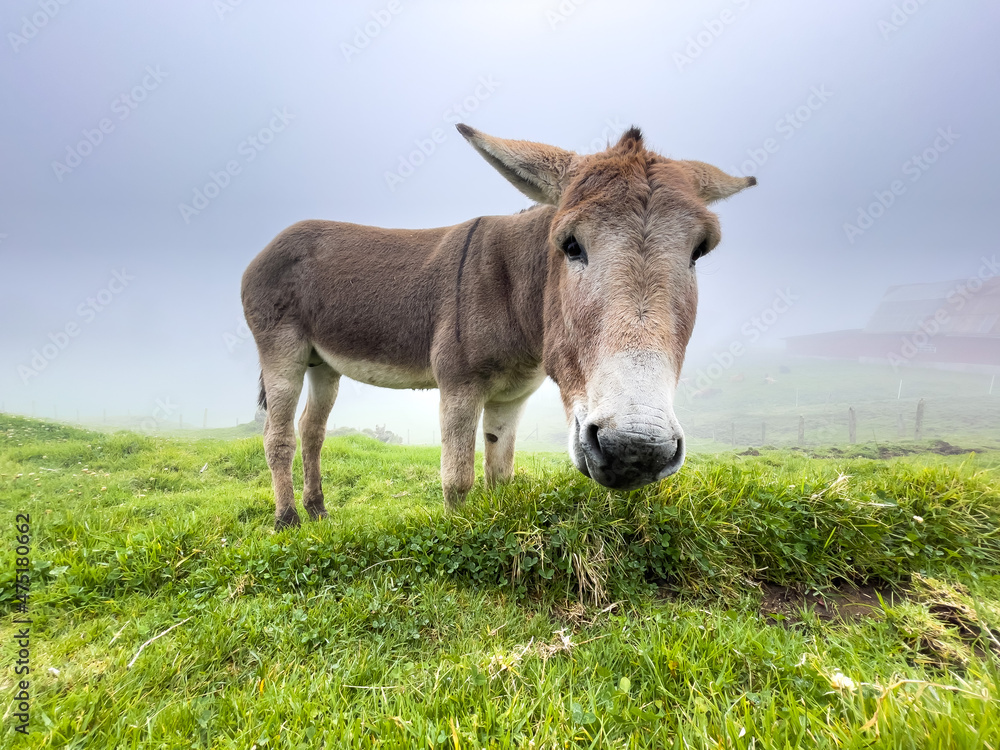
x: 521, y: 243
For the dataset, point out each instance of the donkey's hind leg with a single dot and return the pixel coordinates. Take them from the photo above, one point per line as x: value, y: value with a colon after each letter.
x: 283, y: 369
x: 323, y: 384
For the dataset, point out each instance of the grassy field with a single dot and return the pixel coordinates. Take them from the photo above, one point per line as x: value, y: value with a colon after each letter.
x: 770, y: 601
x: 772, y: 391
x: 757, y: 402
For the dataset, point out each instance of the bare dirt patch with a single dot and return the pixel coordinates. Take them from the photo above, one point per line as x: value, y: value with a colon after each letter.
x: 787, y: 605
x: 944, y: 631
x: 882, y: 452
x: 947, y: 449
x: 953, y: 607
x: 894, y: 452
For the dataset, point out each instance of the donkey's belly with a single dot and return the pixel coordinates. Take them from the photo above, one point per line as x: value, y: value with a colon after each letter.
x: 378, y: 373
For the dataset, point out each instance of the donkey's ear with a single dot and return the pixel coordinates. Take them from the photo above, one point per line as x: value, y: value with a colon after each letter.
x: 712, y: 183
x: 537, y: 170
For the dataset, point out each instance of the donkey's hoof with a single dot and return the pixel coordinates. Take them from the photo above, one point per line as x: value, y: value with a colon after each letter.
x: 288, y: 519
x: 454, y: 503
x: 315, y: 507
x: 316, y: 514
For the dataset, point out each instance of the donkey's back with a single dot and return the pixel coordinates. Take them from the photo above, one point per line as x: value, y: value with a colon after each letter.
x: 353, y: 292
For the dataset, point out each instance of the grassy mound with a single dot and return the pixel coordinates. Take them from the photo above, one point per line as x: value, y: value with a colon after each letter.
x: 547, y: 611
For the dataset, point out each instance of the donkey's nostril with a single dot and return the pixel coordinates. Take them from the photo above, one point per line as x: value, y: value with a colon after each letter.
x: 671, y: 450
x: 592, y: 444
x: 593, y: 433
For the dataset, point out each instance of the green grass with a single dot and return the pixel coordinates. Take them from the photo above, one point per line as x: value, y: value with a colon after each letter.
x: 548, y: 613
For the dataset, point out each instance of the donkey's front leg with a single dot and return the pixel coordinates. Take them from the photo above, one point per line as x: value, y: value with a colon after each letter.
x: 460, y: 412
x: 500, y: 420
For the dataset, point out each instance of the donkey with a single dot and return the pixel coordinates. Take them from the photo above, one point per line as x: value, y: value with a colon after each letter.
x: 595, y: 287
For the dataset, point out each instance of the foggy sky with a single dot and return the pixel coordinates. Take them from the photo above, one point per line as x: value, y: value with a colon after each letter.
x: 318, y: 104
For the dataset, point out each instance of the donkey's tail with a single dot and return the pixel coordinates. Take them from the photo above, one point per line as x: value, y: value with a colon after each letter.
x: 262, y: 394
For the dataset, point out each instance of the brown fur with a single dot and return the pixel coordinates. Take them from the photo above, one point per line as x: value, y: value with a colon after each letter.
x: 475, y: 309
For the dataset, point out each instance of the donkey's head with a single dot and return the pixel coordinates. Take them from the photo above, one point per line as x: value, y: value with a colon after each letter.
x: 621, y: 294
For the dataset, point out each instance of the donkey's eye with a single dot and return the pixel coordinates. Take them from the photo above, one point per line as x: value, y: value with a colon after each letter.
x: 699, y: 251
x: 573, y: 249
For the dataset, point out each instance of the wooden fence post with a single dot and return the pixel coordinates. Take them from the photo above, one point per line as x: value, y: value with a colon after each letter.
x: 852, y: 426
x: 918, y: 432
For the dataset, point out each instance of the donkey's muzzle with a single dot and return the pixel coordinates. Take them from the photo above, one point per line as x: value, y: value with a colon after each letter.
x: 626, y: 459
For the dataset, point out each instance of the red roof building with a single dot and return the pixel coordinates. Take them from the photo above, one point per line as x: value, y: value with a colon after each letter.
x: 954, y: 325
